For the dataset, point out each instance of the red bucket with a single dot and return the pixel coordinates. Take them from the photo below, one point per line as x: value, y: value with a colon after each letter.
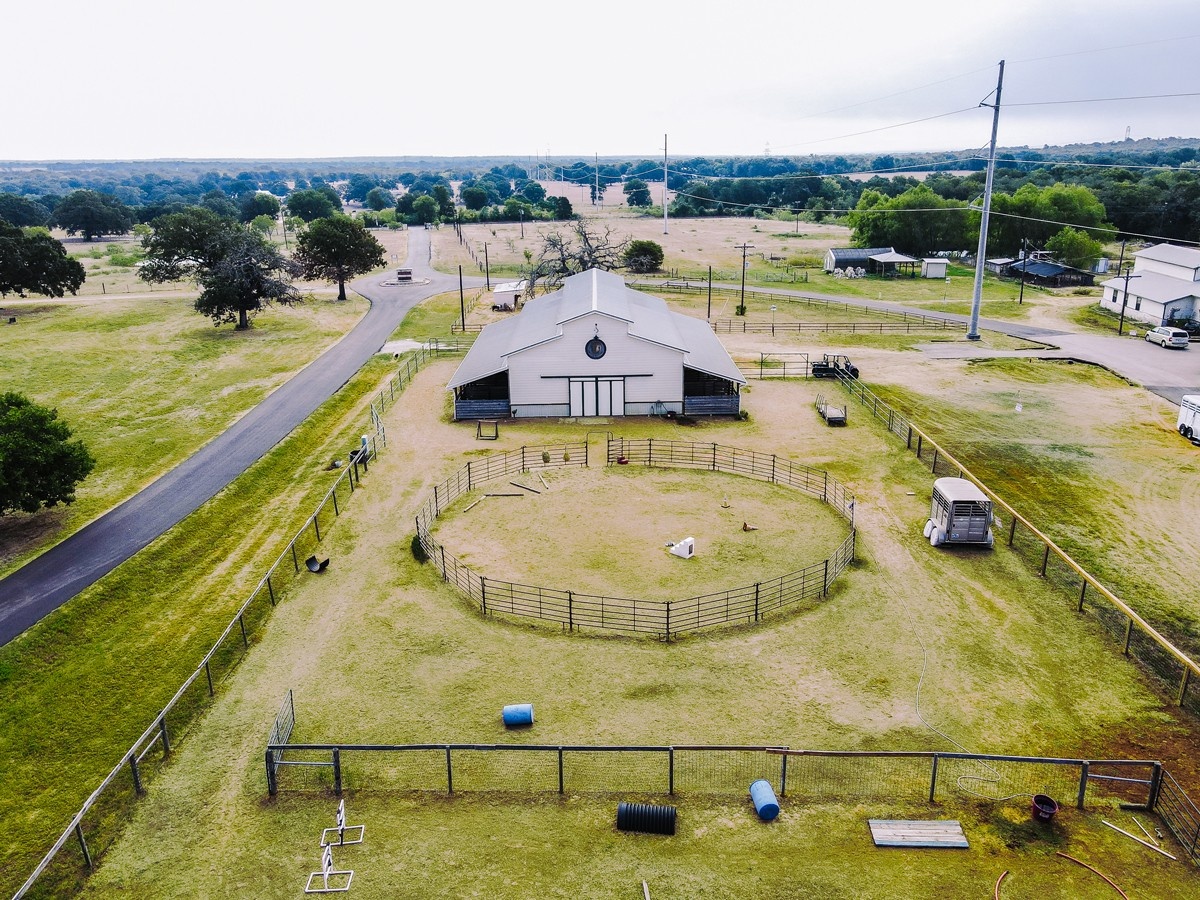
x: 1044, y: 808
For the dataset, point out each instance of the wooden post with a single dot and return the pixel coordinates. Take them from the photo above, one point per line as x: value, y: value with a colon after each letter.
x: 1083, y: 780
x: 337, y: 771
x: 1012, y: 530
x: 1082, y: 592
x: 272, y: 784
x: 483, y: 593
x: 162, y: 728
x: 1128, y: 635
x: 1183, y: 685
x: 1045, y: 559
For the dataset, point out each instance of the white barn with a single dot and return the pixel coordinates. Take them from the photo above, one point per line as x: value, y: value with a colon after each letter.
x: 596, y: 348
x: 1164, y: 286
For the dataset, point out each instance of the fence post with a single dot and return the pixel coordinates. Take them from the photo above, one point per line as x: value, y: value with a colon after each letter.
x: 1128, y: 635
x: 1155, y: 786
x: 1083, y: 780
x: 668, y: 634
x: 449, y: 773
x: 1082, y: 592
x: 756, y: 585
x: 162, y: 727
x: 933, y: 468
x: 783, y: 776
x: 560, y: 770
x: 1045, y: 559
x: 1183, y: 685
x: 317, y: 524
x: 272, y: 784
x: 295, y: 561
x: 908, y: 443
x: 483, y: 593
x: 336, y: 511
x: 137, y: 776
x: 208, y: 672
x: 242, y: 622
x: 1012, y: 530
x: 337, y: 771
x: 468, y: 475
x: 933, y: 778
x: 671, y: 771
x: 87, y: 856
x: 570, y: 611
x: 772, y: 468
x: 436, y: 509
x: 825, y: 580
x: 442, y: 548
x: 918, y: 446
x: 270, y: 590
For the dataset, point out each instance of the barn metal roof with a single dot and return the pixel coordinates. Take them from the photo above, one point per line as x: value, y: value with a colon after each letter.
x: 1155, y: 287
x: 596, y: 291
x: 1188, y: 257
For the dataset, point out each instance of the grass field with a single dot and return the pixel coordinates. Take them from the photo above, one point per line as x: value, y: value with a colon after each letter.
x: 381, y: 651
x: 144, y: 383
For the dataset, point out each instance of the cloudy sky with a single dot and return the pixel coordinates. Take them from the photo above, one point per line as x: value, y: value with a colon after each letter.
x: 136, y: 79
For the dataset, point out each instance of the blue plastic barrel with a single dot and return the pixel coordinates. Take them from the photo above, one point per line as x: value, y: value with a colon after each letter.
x: 517, y: 714
x: 765, y: 803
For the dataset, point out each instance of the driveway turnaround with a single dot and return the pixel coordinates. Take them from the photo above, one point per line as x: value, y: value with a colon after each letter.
x: 51, y: 579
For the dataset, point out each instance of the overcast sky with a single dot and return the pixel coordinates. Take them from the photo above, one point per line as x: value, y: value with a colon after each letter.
x: 135, y: 79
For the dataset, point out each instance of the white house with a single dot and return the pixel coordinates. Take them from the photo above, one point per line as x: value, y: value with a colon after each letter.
x: 1164, y: 286
x: 596, y: 348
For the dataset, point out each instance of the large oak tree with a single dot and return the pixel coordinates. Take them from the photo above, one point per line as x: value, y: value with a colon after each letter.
x: 39, y: 463
x: 36, y: 263
x: 337, y: 248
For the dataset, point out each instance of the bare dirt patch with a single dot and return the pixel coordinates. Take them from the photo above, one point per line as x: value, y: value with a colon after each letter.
x: 550, y: 539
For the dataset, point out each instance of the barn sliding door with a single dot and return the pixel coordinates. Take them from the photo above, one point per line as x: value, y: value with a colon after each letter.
x: 597, y: 396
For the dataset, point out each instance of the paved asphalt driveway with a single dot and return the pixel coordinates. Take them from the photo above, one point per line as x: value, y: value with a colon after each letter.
x: 49, y: 580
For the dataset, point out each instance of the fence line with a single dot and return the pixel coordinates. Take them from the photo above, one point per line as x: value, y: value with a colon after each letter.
x: 710, y: 769
x: 666, y: 619
x: 1139, y: 639
x: 228, y: 649
x: 907, y: 321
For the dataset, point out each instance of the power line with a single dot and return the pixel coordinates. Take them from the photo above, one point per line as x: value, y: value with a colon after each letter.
x: 1182, y: 37
x: 1104, y: 99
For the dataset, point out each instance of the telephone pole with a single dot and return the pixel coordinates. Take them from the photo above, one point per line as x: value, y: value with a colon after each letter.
x: 664, y: 184
x: 741, y: 310
x: 977, y: 296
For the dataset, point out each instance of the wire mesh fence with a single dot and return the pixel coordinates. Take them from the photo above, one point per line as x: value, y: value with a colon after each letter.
x: 717, y: 770
x: 665, y: 619
x: 98, y: 822
x: 1139, y: 639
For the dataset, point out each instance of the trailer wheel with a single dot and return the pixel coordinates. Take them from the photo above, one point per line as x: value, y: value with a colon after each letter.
x: 1186, y: 431
x: 991, y: 539
x: 928, y: 527
x: 936, y: 538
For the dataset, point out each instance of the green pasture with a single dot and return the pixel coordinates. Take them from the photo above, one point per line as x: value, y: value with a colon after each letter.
x: 80, y: 686
x: 380, y: 650
x: 144, y: 383
x: 1116, y: 491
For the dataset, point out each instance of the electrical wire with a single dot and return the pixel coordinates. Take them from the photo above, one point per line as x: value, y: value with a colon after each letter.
x: 1182, y: 37
x: 1103, y: 99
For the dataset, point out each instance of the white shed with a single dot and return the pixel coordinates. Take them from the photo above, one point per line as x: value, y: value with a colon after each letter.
x: 933, y: 268
x: 509, y: 294
x: 596, y: 348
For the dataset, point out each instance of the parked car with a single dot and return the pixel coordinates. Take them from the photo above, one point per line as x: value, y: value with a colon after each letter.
x: 1165, y: 336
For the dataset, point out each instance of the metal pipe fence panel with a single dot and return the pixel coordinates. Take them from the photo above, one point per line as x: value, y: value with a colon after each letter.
x: 1180, y: 814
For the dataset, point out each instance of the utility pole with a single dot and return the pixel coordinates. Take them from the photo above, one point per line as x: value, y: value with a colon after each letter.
x: 664, y: 184
x: 1125, y: 300
x: 462, y: 304
x: 741, y: 310
x: 977, y: 296
x: 598, y: 197
x: 487, y: 267
x: 1024, y: 268
x: 708, y: 317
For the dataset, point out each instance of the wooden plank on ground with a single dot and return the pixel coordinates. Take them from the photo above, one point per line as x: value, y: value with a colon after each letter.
x: 944, y: 833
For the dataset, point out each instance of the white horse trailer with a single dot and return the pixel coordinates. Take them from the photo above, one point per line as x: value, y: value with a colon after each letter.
x: 960, y: 514
x: 1189, y: 416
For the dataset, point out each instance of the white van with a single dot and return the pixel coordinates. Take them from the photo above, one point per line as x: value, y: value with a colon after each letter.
x: 1189, y: 416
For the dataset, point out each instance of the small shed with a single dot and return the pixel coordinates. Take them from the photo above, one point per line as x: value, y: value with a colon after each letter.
x: 852, y: 257
x: 999, y: 264
x: 509, y: 294
x: 893, y: 263
x: 933, y: 268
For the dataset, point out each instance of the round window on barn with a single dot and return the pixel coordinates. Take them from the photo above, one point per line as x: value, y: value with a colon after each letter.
x: 595, y: 348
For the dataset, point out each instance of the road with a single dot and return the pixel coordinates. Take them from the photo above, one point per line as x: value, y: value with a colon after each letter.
x: 51, y: 579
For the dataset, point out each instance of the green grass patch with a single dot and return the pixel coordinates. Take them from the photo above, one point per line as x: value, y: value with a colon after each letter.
x: 144, y: 383
x: 433, y: 317
x: 80, y: 686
